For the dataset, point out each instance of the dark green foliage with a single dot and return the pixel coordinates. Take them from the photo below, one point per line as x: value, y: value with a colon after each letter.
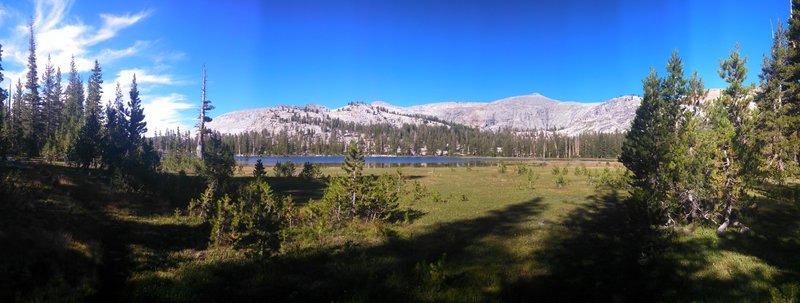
x: 258, y: 218
x: 353, y: 161
x: 136, y: 125
x: 218, y: 160
x: 644, y: 149
x: 410, y: 139
x: 202, y: 207
x: 86, y: 149
x: 34, y: 126
x: 52, y: 108
x: 73, y: 115
x: 355, y: 196
x: 222, y: 221
x: 738, y: 160
x: 4, y: 113
x: 775, y: 135
x: 17, y: 122
x: 310, y: 171
x: 115, y: 137
x: 284, y: 169
x: 252, y: 221
x: 258, y: 170
x: 89, y: 145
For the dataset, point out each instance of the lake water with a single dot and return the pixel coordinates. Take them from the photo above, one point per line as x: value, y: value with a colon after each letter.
x: 372, y: 161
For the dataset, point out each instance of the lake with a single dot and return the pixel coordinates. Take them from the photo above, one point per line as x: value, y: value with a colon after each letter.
x: 372, y: 161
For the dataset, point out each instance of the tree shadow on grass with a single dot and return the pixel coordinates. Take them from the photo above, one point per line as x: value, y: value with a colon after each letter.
x: 775, y: 232
x: 401, y: 269
x: 605, y: 252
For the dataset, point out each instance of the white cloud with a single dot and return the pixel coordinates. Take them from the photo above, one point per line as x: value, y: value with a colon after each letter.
x: 166, y: 112
x: 62, y: 39
x: 113, y: 24
x: 146, y: 81
x: 62, y: 36
x: 107, y: 55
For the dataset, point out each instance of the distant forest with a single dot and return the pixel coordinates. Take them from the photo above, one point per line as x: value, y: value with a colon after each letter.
x: 408, y: 140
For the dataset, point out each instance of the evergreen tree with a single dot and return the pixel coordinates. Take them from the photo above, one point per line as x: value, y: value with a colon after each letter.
x: 258, y: 170
x: 73, y: 116
x: 34, y: 118
x: 737, y: 160
x: 115, y: 137
x: 51, y: 97
x: 692, y: 156
x: 17, y: 121
x: 773, y: 120
x: 4, y: 116
x: 89, y: 144
x: 792, y: 101
x: 135, y: 120
x: 641, y: 148
x: 353, y: 167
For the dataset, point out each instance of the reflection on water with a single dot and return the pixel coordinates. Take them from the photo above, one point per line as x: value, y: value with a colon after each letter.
x: 374, y: 161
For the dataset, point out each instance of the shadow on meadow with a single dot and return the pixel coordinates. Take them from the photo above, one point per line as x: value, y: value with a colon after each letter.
x: 400, y: 269
x: 606, y: 253
x: 775, y: 236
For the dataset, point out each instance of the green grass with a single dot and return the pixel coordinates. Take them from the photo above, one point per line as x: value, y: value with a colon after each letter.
x: 488, y: 238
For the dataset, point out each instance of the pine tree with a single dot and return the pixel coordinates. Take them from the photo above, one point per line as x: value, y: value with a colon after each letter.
x: 692, y: 156
x: 736, y: 159
x: 773, y: 120
x: 640, y: 150
x: 73, y: 115
x: 51, y: 97
x: 258, y: 169
x: 88, y: 147
x: 353, y: 167
x: 136, y: 124
x: 115, y: 137
x: 4, y: 116
x: 94, y: 92
x: 17, y: 121
x: 792, y: 94
x: 35, y: 120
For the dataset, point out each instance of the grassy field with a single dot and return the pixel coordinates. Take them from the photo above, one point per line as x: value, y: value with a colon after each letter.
x: 479, y: 235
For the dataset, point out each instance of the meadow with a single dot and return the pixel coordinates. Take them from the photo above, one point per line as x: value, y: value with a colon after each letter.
x: 516, y: 232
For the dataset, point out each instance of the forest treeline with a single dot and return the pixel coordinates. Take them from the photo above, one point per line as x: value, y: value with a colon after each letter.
x: 45, y: 119
x: 408, y: 140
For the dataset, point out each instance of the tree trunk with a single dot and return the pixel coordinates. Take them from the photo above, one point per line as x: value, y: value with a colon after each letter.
x: 201, y: 125
x: 726, y: 216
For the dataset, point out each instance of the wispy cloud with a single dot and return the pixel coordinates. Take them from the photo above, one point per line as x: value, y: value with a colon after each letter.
x: 166, y: 112
x: 113, y: 24
x: 146, y: 81
x: 63, y: 38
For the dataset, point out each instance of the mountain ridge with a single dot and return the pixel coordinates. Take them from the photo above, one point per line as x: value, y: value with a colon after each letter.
x: 524, y: 113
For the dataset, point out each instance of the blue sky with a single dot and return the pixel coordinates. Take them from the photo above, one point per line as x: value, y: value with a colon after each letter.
x: 265, y: 53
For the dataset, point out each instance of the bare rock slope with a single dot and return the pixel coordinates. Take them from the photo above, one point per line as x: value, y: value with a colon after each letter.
x: 521, y: 113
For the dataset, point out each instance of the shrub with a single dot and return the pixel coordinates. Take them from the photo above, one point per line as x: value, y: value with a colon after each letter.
x: 258, y: 170
x: 501, y: 167
x: 561, y: 181
x: 284, y: 169
x: 310, y: 171
x: 532, y: 178
x: 556, y: 171
x: 418, y: 191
